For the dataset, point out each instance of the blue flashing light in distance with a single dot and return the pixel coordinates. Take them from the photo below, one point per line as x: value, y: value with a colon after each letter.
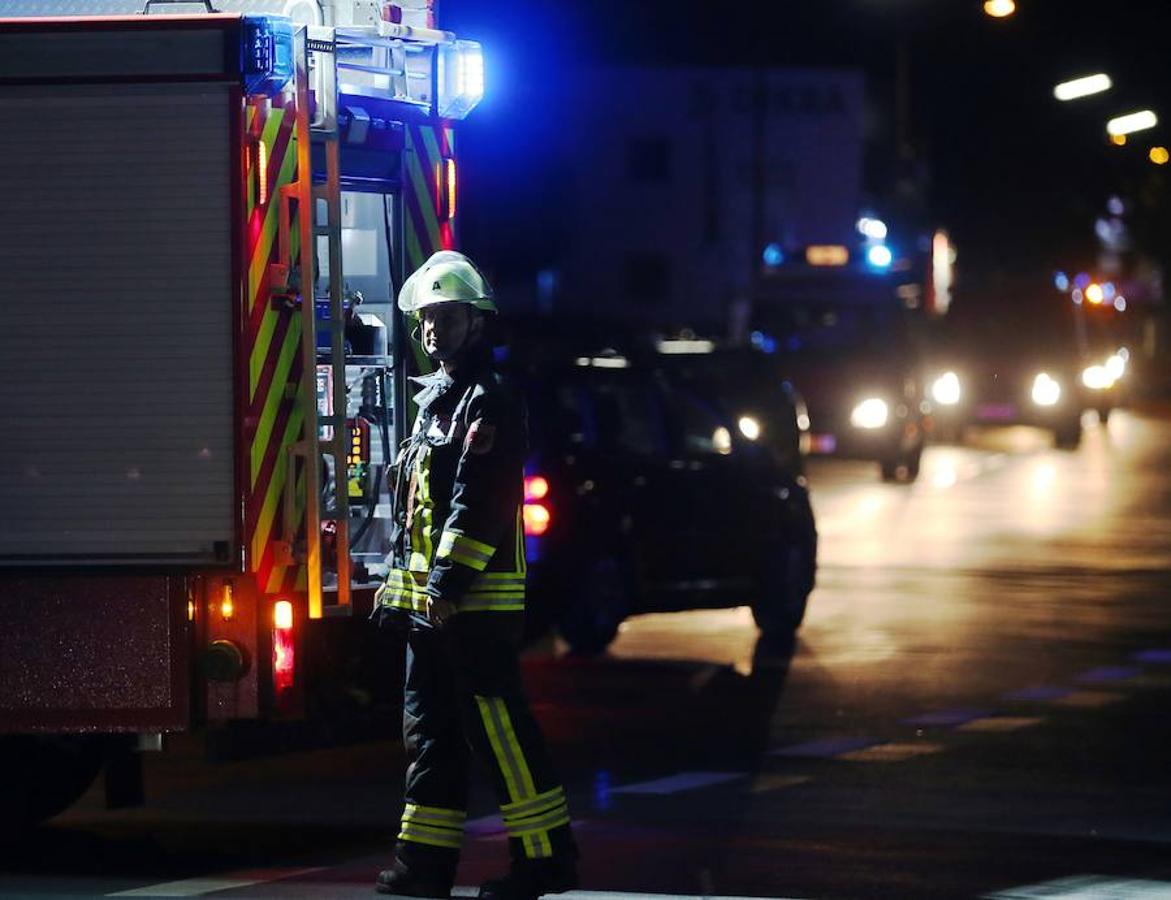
x: 266, y: 54
x: 1061, y: 282
x: 879, y: 256
x: 1082, y: 281
x: 773, y: 255
x: 763, y: 342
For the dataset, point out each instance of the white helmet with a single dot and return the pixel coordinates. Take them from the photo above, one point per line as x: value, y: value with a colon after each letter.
x: 447, y: 277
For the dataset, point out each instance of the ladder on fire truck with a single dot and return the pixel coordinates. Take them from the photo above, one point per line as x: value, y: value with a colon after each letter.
x: 388, y: 50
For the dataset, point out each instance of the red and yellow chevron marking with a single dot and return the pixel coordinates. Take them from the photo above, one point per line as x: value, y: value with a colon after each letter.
x: 427, y: 146
x: 273, y: 414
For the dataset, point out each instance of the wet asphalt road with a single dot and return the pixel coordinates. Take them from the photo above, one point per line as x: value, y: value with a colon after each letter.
x: 977, y: 705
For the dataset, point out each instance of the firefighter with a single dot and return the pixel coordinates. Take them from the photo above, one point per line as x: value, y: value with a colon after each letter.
x: 457, y: 585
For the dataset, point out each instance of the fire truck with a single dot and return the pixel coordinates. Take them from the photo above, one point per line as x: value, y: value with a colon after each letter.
x: 206, y: 210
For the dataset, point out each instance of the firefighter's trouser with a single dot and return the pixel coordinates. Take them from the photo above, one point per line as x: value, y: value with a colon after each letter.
x: 464, y: 690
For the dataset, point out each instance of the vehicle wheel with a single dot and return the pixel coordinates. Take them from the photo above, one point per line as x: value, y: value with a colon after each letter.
x: 783, y: 590
x: 1067, y: 437
x: 41, y: 776
x: 596, y: 602
x: 1104, y: 414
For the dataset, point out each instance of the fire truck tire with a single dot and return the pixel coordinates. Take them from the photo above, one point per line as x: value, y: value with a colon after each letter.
x: 783, y: 592
x: 41, y: 776
x: 595, y: 604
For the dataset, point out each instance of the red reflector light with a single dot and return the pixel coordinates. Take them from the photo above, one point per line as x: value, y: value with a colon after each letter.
x: 283, y: 654
x: 536, y: 488
x: 537, y: 518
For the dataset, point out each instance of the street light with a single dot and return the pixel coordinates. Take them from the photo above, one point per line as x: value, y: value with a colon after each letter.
x: 1132, y: 122
x: 1000, y: 9
x: 1082, y: 87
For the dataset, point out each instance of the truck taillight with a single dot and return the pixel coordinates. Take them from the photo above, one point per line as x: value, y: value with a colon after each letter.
x: 536, y: 514
x: 445, y: 187
x: 537, y: 518
x: 536, y: 488
x: 283, y: 655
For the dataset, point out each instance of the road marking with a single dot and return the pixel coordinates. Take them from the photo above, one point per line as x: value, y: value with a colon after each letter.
x: 197, y: 887
x: 1042, y: 693
x: 828, y: 747
x: 948, y: 717
x: 684, y: 781
x: 617, y: 895
x: 765, y: 783
x: 1087, y: 887
x: 894, y: 752
x: 1106, y: 674
x: 998, y: 724
x: 1090, y: 699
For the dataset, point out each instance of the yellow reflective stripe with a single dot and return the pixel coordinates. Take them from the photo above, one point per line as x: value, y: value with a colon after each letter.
x: 405, y: 590
x: 526, y: 778
x: 421, y: 547
x: 539, y: 805
x: 501, y: 576
x: 542, y: 827
x: 435, y: 837
x: 464, y: 550
x: 504, y: 761
x: 453, y: 818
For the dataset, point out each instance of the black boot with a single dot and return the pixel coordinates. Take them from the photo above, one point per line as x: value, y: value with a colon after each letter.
x: 531, y: 878
x: 411, y: 877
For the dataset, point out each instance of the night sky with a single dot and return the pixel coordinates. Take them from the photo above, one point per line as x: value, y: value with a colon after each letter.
x: 1017, y: 177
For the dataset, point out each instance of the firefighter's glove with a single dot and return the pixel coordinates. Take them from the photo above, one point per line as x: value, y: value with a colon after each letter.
x: 439, y: 611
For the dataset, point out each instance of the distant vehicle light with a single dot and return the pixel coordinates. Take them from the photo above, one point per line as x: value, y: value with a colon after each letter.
x: 946, y: 389
x: 879, y: 256
x: 1095, y: 294
x: 603, y: 362
x: 1097, y: 378
x: 1120, y: 303
x: 773, y: 255
x: 1082, y: 87
x: 1000, y: 9
x: 1116, y: 366
x: 749, y: 427
x: 1046, y: 391
x: 1160, y: 156
x: 875, y: 229
x: 803, y: 421
x: 870, y: 414
x: 683, y: 347
x: 722, y: 441
x: 536, y: 488
x: 537, y: 518
x: 1131, y: 122
x: 827, y: 255
x: 1061, y: 282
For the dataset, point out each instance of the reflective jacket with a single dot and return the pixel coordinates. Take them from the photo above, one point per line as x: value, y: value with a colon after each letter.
x: 459, y: 485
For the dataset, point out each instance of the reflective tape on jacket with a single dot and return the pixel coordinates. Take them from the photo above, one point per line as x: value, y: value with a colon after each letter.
x: 463, y: 549
x: 405, y: 590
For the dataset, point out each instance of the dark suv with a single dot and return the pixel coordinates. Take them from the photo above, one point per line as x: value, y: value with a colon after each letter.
x: 642, y: 496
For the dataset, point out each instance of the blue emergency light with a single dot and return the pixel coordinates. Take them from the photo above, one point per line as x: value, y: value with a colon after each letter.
x: 266, y: 54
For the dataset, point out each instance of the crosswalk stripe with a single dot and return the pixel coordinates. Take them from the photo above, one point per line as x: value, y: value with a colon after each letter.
x: 766, y: 783
x: 1090, y: 699
x: 894, y: 752
x: 198, y: 887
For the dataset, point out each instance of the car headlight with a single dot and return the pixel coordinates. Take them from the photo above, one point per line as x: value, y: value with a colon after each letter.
x: 946, y: 389
x: 1116, y: 364
x: 1046, y: 391
x: 749, y: 427
x: 870, y: 413
x: 1098, y: 378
